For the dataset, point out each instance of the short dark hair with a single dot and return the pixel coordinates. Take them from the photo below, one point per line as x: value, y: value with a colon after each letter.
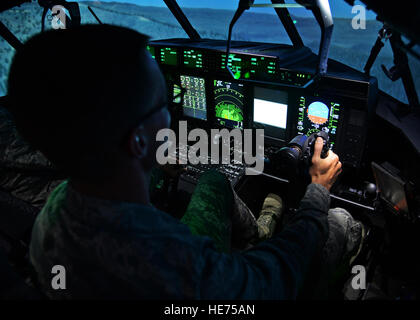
x: 76, y: 93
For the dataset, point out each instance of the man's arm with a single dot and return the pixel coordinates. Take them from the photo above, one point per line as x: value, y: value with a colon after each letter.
x: 275, y: 269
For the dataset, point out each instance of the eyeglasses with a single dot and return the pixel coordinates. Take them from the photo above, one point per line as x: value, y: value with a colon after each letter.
x: 176, y: 97
x: 152, y: 112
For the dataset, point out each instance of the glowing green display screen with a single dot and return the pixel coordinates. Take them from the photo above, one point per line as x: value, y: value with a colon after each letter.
x: 152, y: 51
x: 248, y: 66
x: 195, y: 97
x: 235, y: 63
x: 193, y: 58
x: 263, y: 65
x: 168, y: 56
x: 229, y: 102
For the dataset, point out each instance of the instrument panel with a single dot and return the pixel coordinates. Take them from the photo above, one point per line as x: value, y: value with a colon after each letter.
x: 318, y: 114
x: 265, y: 93
x: 243, y: 65
x: 195, y: 102
x: 229, y: 103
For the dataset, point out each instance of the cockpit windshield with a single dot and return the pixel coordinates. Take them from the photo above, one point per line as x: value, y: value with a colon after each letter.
x: 351, y: 43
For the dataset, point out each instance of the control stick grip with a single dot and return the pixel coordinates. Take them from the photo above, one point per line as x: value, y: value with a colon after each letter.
x: 325, y: 148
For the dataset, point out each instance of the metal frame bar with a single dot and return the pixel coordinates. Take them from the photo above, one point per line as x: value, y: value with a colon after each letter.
x: 9, y: 37
x: 182, y: 19
x: 281, y: 11
x: 289, y: 26
x: 401, y: 62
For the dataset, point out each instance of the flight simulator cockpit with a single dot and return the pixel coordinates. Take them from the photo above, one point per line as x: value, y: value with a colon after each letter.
x: 279, y: 88
x: 295, y: 94
x: 268, y: 90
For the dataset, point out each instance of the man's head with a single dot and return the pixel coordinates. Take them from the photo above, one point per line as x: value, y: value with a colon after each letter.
x: 90, y: 98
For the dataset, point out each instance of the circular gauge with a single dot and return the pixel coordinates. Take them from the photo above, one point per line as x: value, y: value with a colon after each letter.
x: 318, y: 112
x: 229, y: 104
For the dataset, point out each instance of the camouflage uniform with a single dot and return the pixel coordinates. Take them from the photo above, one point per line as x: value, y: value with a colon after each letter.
x: 216, y: 211
x: 344, y: 243
x: 209, y: 211
x: 269, y: 216
x: 113, y: 249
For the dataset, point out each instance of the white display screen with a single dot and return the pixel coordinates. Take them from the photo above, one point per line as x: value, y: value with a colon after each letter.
x: 270, y: 113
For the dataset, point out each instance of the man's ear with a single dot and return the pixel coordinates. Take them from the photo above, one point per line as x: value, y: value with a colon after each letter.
x: 138, y: 143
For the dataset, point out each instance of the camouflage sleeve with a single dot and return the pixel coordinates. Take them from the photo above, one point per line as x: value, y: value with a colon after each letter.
x: 209, y: 211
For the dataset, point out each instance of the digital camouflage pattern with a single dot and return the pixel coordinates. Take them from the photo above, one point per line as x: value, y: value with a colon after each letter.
x: 344, y: 243
x: 269, y: 216
x: 113, y: 249
x: 215, y: 210
x: 210, y: 209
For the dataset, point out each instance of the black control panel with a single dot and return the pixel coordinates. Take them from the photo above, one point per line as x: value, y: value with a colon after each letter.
x: 233, y: 171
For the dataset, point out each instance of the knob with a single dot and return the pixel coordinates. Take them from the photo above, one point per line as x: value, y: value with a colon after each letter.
x: 370, y: 191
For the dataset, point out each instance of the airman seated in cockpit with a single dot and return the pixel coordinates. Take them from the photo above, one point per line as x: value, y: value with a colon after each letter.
x: 98, y: 123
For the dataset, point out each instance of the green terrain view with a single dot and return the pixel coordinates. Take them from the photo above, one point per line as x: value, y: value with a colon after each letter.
x: 229, y: 112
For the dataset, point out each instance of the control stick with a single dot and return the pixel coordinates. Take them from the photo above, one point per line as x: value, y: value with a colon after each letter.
x: 296, y: 157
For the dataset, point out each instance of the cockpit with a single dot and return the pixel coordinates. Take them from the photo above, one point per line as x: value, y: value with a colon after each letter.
x: 294, y: 69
